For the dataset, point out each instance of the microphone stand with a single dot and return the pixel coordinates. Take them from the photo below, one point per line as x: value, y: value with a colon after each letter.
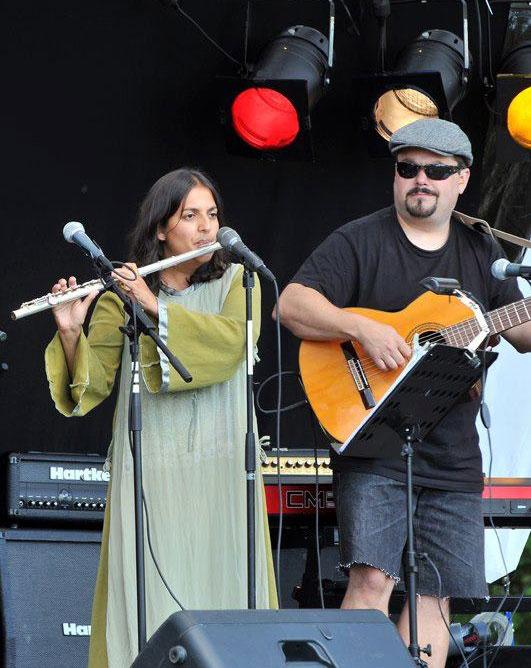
x: 139, y: 323
x: 250, y: 442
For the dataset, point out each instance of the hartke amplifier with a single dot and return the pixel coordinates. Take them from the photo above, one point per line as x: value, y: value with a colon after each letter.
x: 47, y: 582
x: 273, y: 638
x: 53, y: 487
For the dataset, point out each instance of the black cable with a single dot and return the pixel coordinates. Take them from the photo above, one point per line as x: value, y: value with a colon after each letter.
x: 350, y: 17
x: 507, y: 581
x: 382, y: 46
x: 480, y: 42
x: 277, y: 433
x: 489, y: 49
x: 176, y: 4
x: 317, y: 544
x: 488, y: 85
x: 424, y: 555
x: 290, y: 407
x: 484, y: 411
x: 499, y: 642
x: 246, y: 37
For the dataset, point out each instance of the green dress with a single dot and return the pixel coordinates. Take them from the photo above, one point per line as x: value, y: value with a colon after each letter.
x: 193, y: 460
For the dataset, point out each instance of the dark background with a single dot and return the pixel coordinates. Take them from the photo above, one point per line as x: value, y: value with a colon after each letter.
x: 101, y: 98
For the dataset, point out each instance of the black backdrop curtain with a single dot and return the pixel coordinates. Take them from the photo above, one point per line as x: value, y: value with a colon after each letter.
x: 101, y: 98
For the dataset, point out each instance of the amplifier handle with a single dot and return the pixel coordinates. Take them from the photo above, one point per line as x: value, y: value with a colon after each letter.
x: 297, y: 651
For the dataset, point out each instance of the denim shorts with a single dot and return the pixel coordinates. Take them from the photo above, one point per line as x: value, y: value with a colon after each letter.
x: 448, y: 526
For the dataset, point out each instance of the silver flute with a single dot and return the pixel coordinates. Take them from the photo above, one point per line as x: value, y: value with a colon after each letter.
x: 70, y: 294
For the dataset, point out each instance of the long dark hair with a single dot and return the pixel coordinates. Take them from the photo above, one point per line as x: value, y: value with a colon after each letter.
x: 163, y: 199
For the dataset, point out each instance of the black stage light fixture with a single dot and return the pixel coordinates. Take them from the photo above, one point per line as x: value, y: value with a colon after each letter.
x: 513, y: 104
x: 268, y: 112
x: 430, y: 77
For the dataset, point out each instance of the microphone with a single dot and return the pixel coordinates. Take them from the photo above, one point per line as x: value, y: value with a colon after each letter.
x: 502, y: 269
x: 74, y: 233
x: 231, y: 241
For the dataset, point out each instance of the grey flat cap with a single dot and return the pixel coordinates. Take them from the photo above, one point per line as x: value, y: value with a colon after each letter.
x: 435, y: 135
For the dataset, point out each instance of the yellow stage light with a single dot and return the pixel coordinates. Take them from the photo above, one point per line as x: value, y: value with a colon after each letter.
x: 519, y: 118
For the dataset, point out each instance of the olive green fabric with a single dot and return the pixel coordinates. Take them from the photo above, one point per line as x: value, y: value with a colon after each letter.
x: 193, y: 460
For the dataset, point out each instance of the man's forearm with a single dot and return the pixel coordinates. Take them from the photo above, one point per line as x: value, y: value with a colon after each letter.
x: 309, y: 315
x: 520, y: 337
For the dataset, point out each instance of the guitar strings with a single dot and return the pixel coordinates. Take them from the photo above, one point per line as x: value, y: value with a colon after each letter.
x: 372, y: 371
x: 458, y: 330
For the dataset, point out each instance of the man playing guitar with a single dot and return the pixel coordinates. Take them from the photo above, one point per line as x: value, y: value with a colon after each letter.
x: 377, y: 262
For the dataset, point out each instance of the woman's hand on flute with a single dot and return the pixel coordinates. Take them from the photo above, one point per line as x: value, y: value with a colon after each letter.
x: 71, y: 315
x: 136, y: 287
x: 69, y: 318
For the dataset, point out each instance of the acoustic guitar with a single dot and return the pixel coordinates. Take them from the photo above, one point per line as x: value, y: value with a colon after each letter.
x: 344, y: 385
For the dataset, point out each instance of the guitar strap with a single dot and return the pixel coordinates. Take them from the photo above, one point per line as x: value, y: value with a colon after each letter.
x: 482, y: 226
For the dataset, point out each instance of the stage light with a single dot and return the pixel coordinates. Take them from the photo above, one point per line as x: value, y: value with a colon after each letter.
x: 269, y: 111
x: 519, y: 118
x: 265, y: 119
x: 513, y: 104
x: 430, y: 77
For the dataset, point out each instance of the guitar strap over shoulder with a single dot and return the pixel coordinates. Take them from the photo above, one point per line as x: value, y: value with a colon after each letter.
x: 482, y: 226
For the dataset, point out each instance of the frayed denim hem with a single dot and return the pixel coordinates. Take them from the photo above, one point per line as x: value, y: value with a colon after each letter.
x: 345, y: 568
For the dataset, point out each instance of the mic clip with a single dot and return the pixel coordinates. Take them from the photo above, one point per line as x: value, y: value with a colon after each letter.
x: 441, y: 286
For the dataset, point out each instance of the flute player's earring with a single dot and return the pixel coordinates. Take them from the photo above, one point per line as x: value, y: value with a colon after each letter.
x: 161, y: 236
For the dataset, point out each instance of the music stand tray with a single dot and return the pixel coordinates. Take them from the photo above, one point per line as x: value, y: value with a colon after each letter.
x: 428, y: 388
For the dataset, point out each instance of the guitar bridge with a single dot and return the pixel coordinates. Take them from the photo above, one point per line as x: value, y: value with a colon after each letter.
x: 358, y: 374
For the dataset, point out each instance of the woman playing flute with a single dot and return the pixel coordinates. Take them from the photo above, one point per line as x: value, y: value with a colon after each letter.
x: 193, y: 434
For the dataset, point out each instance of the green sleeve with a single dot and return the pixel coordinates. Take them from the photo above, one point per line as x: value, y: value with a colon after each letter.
x: 97, y: 358
x: 210, y: 346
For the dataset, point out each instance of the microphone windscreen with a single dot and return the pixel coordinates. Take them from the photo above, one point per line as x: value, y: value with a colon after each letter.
x: 497, y: 268
x: 226, y: 236
x: 70, y: 229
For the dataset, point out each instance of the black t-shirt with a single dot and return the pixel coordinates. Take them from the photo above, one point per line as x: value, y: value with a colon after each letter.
x: 371, y: 263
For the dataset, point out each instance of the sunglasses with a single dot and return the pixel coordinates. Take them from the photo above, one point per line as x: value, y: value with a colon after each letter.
x: 435, y: 172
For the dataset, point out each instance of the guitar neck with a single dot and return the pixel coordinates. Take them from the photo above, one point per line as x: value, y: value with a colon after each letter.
x: 499, y: 320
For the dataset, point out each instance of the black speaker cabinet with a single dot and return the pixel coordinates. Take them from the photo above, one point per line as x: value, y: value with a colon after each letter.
x: 273, y: 638
x: 47, y: 582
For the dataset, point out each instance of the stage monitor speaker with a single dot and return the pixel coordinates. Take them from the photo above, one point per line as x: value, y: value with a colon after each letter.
x: 47, y: 580
x: 273, y: 638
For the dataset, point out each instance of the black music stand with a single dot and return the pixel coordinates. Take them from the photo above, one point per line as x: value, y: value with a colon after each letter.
x: 431, y: 384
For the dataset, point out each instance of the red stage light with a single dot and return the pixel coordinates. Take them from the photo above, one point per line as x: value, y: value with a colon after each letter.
x: 265, y: 119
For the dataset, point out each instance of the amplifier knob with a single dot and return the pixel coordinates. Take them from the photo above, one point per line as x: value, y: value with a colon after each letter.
x: 21, y: 503
x: 288, y: 463
x: 93, y: 505
x: 55, y: 504
x: 86, y: 504
x: 31, y: 503
x: 78, y: 504
x: 298, y: 464
x: 48, y: 504
x: 40, y: 504
x: 307, y: 464
x: 101, y: 506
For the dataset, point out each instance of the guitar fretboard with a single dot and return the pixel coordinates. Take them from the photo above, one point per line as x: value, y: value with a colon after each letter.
x: 499, y: 320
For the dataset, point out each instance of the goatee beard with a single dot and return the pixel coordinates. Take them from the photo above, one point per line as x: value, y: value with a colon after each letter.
x: 415, y: 206
x: 417, y: 210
